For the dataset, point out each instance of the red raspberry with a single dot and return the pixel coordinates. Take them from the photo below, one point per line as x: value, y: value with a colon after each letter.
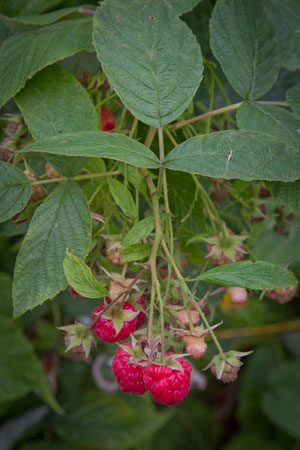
x: 195, y: 346
x: 230, y: 372
x: 108, y: 120
x: 75, y: 294
x: 237, y: 295
x: 218, y: 254
x: 168, y: 385
x: 129, y: 375
x: 104, y: 327
x: 112, y: 251
x: 141, y: 316
x: 37, y: 191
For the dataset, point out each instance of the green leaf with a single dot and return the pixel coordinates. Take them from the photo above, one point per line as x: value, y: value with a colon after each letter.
x: 150, y: 56
x: 20, y: 369
x: 246, y: 155
x: 286, y: 16
x: 243, y: 40
x: 80, y: 277
x: 183, y: 6
x: 5, y: 294
x: 136, y: 252
x: 293, y: 97
x: 62, y: 221
x: 41, y: 19
x: 15, y: 191
x: 250, y: 441
x: 257, y: 275
x: 139, y: 231
x: 271, y: 120
x: 118, y: 422
x: 123, y: 198
x: 23, y: 55
x: 16, y: 8
x: 98, y: 143
x: 288, y: 194
x: 281, y: 400
x: 54, y: 103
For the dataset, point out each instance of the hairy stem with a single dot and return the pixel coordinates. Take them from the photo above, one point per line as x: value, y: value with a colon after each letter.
x: 87, y: 176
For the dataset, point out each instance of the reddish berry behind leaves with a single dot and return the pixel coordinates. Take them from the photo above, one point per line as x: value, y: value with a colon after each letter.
x: 229, y: 374
x: 129, y: 375
x: 167, y: 385
x: 112, y: 251
x: 37, y: 191
x: 141, y: 316
x: 75, y: 294
x: 108, y: 120
x: 219, y: 258
x: 283, y: 295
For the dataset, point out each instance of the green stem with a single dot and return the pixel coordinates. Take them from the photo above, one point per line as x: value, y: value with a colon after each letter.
x: 87, y: 176
x: 221, y: 111
x: 106, y: 99
x: 202, y: 315
x: 162, y: 325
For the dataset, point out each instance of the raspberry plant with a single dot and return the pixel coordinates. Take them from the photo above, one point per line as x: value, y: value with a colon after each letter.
x: 133, y: 185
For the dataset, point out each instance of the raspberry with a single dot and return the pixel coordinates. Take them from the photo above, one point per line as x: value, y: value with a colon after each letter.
x: 37, y: 191
x: 108, y: 120
x: 283, y: 295
x: 83, y: 77
x: 168, y: 385
x: 52, y: 173
x: 195, y: 346
x: 113, y: 253
x: 117, y: 325
x: 75, y: 294
x: 129, y: 374
x: 238, y: 295
x: 182, y: 316
x: 78, y: 338
x: 224, y: 253
x: 229, y: 373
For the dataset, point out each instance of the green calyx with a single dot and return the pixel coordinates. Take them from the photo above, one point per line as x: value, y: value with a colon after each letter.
x: 79, y: 335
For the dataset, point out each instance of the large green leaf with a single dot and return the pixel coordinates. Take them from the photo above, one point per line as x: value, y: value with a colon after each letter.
x: 183, y: 6
x: 281, y: 400
x: 98, y: 143
x: 150, y: 56
x: 244, y: 41
x: 80, y: 277
x: 117, y: 422
x: 17, y: 7
x: 271, y: 120
x: 286, y: 16
x: 23, y: 55
x: 293, y: 97
x: 253, y: 275
x: 288, y: 194
x: 246, y: 155
x: 62, y: 221
x: 15, y: 191
x: 54, y: 103
x: 123, y: 198
x: 20, y: 369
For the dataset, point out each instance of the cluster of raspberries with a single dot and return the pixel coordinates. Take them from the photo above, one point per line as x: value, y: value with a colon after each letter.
x: 168, y: 385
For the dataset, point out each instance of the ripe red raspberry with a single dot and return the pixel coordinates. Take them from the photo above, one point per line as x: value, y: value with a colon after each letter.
x: 127, y: 321
x: 108, y: 120
x: 237, y: 295
x: 168, y: 385
x: 221, y: 254
x: 52, y: 173
x: 230, y: 372
x: 195, y: 346
x: 112, y: 251
x: 129, y: 374
x: 75, y: 294
x: 37, y: 191
x: 283, y: 295
x: 141, y: 316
